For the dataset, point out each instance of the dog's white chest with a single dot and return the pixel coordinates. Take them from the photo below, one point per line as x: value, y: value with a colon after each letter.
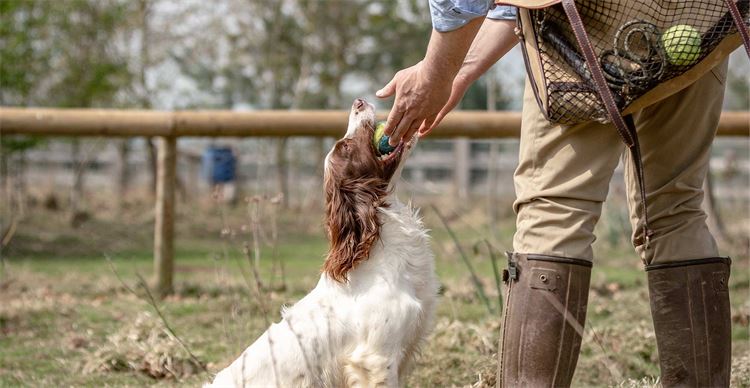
x: 365, y: 332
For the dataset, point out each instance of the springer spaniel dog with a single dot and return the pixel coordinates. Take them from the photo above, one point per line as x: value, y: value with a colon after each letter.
x: 363, y: 324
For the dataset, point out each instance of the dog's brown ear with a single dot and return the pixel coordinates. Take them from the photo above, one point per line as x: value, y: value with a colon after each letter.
x: 352, y: 222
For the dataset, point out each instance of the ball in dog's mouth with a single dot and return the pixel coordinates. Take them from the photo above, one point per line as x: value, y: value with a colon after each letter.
x: 386, y: 153
x: 380, y: 140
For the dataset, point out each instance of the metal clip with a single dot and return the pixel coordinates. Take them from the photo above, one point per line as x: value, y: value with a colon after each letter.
x: 512, y: 267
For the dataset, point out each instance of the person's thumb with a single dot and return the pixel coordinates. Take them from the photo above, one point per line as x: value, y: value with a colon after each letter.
x: 387, y: 90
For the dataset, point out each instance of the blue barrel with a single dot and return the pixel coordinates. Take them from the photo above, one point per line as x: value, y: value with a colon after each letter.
x: 219, y: 164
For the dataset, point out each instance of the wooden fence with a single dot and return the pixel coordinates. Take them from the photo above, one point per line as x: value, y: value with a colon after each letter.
x: 169, y: 126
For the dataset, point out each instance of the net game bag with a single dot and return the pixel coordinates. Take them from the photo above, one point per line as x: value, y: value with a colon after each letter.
x: 605, y: 59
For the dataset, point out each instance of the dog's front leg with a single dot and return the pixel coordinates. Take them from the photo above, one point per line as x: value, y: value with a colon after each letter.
x: 366, y: 368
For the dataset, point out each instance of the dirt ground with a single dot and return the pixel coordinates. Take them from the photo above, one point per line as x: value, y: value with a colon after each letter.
x: 73, y: 311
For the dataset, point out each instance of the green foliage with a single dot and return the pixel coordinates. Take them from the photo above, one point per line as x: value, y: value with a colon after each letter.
x: 476, y: 96
x: 738, y: 90
x: 23, y: 24
x: 280, y: 54
x: 298, y: 54
x: 400, y: 32
x: 62, y: 53
x: 12, y: 144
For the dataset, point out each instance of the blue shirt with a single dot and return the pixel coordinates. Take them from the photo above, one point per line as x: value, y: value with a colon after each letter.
x: 448, y: 15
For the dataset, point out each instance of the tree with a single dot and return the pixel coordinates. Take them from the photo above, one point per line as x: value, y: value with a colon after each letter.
x: 91, y: 69
x: 22, y: 23
x: 61, y: 54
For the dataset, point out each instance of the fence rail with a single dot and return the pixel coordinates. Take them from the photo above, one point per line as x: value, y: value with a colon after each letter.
x: 171, y: 125
x: 316, y: 123
x: 126, y: 123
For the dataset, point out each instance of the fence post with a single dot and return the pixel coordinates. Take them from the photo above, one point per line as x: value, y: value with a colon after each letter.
x: 165, y: 207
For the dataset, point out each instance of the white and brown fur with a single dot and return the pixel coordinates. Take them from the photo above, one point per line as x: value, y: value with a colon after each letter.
x: 363, y: 323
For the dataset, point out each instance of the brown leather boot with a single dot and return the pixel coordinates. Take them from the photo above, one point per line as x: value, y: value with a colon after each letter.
x: 690, y: 308
x: 543, y: 321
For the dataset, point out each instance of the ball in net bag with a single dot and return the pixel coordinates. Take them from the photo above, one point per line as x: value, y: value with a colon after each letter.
x: 682, y: 44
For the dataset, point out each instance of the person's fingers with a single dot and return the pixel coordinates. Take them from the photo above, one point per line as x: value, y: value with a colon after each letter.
x: 389, y: 88
x: 429, y: 124
x: 402, y: 128
x: 412, y: 129
x: 422, y: 128
x: 457, y: 93
x: 394, y: 118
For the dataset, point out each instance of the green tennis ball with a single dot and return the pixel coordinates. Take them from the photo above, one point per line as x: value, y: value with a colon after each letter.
x: 380, y: 140
x: 379, y: 132
x: 682, y: 44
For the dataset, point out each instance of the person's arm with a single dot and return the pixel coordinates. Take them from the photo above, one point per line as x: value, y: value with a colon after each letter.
x: 495, y: 38
x: 423, y: 89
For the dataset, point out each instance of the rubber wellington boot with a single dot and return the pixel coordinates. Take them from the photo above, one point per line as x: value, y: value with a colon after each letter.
x: 543, y: 320
x: 690, y: 308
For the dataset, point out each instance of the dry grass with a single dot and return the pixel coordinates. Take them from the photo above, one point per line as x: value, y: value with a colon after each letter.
x: 144, y: 346
x: 66, y: 320
x: 741, y: 371
x: 459, y: 353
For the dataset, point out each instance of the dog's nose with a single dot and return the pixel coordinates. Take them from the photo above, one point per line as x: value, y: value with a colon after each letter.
x: 359, y: 104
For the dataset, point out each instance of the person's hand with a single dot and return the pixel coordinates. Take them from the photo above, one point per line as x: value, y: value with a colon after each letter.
x: 494, y: 39
x: 419, y: 98
x: 459, y: 88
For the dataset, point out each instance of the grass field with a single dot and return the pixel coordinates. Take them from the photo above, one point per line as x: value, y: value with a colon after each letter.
x: 70, y: 317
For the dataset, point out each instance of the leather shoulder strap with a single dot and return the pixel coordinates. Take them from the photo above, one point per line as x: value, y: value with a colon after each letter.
x: 597, y: 75
x: 741, y: 27
x: 625, y: 126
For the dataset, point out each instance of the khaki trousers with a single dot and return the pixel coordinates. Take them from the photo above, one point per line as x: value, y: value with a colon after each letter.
x: 564, y: 172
